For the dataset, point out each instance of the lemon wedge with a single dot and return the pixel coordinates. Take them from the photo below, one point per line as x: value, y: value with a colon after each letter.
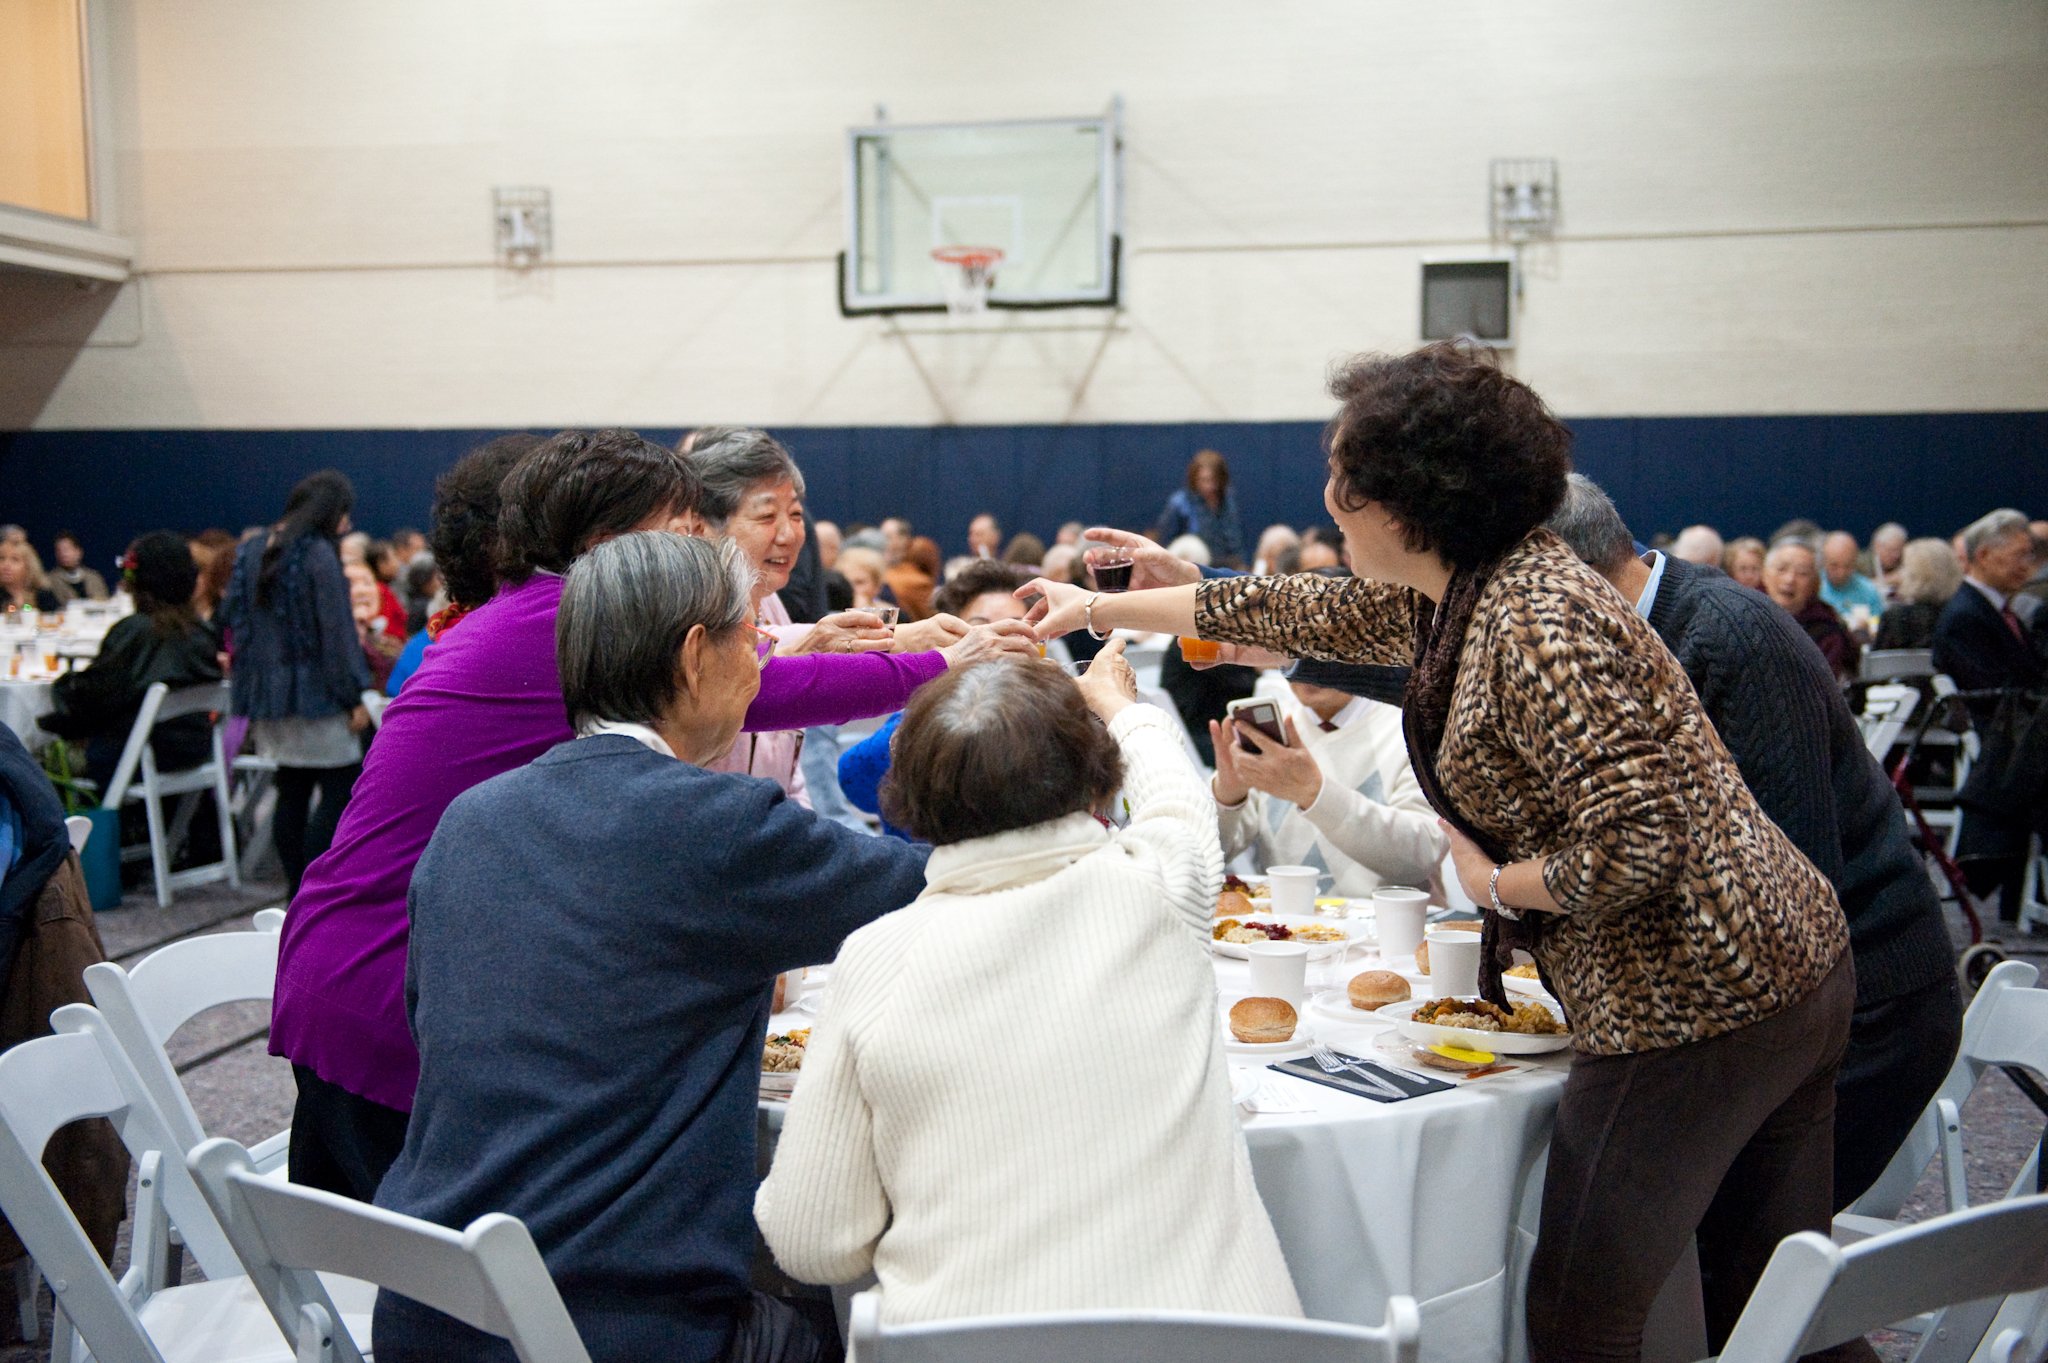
x: 1463, y: 1056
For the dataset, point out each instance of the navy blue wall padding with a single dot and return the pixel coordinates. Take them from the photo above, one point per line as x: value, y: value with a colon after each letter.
x: 1746, y: 475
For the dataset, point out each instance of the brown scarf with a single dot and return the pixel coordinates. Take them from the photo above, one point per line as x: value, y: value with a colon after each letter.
x: 1425, y: 715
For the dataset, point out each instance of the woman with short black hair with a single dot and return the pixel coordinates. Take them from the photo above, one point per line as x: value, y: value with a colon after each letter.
x: 1074, y: 1174
x: 300, y: 672
x: 1595, y: 814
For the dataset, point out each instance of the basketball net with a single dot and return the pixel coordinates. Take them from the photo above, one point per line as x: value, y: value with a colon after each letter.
x: 969, y: 272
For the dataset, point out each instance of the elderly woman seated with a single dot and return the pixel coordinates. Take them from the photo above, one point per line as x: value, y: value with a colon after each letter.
x: 1093, y: 1159
x: 590, y: 1027
x: 1792, y: 579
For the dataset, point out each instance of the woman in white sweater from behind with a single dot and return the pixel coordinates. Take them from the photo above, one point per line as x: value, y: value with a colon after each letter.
x: 1017, y: 1098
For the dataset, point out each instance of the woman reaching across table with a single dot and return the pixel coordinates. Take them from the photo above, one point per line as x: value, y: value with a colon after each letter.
x: 486, y: 699
x: 1699, y: 957
x: 1092, y: 1159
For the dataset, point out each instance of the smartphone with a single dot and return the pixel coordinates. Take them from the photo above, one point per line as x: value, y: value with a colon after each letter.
x: 1263, y: 715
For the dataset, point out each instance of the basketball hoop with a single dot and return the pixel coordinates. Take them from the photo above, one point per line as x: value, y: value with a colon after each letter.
x: 969, y: 273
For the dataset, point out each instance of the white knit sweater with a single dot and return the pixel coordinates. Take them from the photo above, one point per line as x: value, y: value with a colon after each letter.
x: 1017, y: 1099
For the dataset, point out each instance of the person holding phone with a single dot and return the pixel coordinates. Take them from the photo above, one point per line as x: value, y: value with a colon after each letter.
x: 1592, y: 809
x: 1333, y: 790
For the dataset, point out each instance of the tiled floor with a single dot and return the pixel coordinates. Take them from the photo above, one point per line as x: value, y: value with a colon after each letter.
x: 241, y: 1091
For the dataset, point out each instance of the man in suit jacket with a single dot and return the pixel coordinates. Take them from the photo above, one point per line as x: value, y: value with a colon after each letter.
x: 1981, y: 643
x: 1980, y: 640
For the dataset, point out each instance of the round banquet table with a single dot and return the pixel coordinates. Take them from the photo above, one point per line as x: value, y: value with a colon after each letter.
x: 1436, y: 1197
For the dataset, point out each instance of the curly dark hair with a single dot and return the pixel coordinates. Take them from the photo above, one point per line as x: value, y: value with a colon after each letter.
x: 977, y: 579
x: 1466, y: 457
x: 983, y: 750
x: 464, y: 533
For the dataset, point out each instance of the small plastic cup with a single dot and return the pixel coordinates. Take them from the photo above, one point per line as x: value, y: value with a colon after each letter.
x: 1200, y: 650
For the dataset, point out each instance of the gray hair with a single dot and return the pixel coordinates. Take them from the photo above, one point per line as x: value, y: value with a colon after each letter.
x: 1890, y: 530
x: 1587, y: 521
x: 627, y: 606
x: 1799, y: 542
x: 1989, y: 529
x: 732, y: 461
x: 1928, y: 572
x: 1699, y: 544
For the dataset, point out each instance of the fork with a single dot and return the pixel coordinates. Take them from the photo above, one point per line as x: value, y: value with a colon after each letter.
x: 1329, y: 1062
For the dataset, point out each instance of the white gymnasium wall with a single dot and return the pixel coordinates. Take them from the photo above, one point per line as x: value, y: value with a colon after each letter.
x: 1770, y: 206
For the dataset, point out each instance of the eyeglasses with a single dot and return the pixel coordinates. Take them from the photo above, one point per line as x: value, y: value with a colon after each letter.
x: 764, y: 644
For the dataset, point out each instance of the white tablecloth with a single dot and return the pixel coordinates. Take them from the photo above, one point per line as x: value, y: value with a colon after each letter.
x: 20, y: 704
x: 1435, y: 1197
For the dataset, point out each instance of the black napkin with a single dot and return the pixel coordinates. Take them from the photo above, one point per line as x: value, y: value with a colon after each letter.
x: 1351, y: 1083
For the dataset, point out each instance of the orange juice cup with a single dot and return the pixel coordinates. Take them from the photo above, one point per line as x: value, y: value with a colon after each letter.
x: 49, y: 662
x: 1200, y: 650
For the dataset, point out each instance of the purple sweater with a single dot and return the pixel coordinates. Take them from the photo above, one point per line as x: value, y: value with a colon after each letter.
x: 486, y: 700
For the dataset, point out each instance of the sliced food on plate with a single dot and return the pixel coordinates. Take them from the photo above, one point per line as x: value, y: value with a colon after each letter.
x: 1530, y: 1027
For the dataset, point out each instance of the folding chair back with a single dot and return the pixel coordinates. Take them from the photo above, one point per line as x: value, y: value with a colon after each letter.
x: 2004, y: 1020
x: 1891, y: 664
x: 144, y: 1007
x: 47, y: 1083
x: 1816, y: 1294
x: 1120, y: 1336
x: 137, y: 771
x: 489, y: 1276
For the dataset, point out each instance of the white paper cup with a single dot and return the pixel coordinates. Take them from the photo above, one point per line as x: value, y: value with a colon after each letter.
x: 1399, y: 914
x: 1294, y: 889
x: 1279, y: 970
x: 1453, y: 963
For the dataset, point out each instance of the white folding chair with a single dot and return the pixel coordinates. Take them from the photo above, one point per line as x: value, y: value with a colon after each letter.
x: 137, y: 777
x: 489, y: 1275
x: 1816, y: 1294
x: 144, y: 1007
x: 1121, y: 1336
x: 2007, y: 1024
x: 1886, y: 710
x: 79, y: 829
x: 1894, y: 664
x: 78, y: 1073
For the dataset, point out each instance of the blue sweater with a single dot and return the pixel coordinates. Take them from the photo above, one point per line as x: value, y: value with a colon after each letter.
x: 297, y: 656
x: 593, y: 941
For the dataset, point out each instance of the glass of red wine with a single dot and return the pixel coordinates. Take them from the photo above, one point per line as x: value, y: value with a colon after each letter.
x: 1112, y: 569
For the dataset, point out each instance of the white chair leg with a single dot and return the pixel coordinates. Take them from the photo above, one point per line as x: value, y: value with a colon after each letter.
x: 64, y: 1341
x: 226, y: 817
x: 25, y: 1281
x: 1954, y: 1183
x: 159, y: 849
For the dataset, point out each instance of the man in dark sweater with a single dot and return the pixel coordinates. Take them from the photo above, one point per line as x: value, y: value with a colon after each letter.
x: 1774, y: 701
x: 594, y: 941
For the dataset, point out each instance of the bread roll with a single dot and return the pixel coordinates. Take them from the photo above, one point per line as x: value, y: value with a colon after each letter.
x: 1262, y: 1020
x: 1372, y: 989
x: 1231, y: 904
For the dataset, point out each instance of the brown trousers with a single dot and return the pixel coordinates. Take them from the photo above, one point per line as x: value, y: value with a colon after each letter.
x: 1728, y: 1141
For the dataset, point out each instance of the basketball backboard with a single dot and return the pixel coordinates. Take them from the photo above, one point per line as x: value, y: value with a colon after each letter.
x: 1044, y: 192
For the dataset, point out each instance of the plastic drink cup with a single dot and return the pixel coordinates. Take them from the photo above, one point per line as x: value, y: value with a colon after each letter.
x: 1200, y: 650
x: 1400, y: 913
x: 1279, y: 970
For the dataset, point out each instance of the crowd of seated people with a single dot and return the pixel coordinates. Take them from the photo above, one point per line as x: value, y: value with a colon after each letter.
x: 591, y: 648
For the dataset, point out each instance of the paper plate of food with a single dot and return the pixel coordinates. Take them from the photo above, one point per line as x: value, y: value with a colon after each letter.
x: 1265, y: 1029
x: 1531, y: 1027
x: 1523, y: 979
x: 781, y: 1059
x: 1323, y: 936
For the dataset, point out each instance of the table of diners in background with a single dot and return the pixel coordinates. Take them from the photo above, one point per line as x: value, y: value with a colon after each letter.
x: 25, y: 680
x: 1436, y: 1197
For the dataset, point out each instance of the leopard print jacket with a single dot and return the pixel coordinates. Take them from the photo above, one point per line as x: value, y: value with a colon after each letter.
x: 1575, y: 738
